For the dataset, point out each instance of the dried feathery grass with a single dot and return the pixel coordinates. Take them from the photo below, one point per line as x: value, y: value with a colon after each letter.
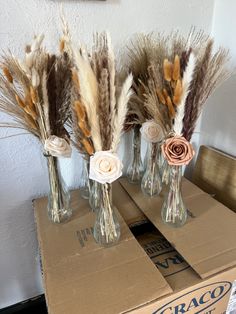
x: 186, y: 81
x: 181, y: 81
x: 155, y: 50
x: 88, y: 92
x: 103, y: 63
x: 210, y: 71
x: 140, y: 53
x: 119, y: 118
x: 156, y: 110
x: 37, y: 95
x: 95, y: 89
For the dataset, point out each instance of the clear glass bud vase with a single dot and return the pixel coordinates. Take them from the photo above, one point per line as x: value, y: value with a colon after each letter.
x: 174, y: 212
x: 151, y: 182
x: 135, y: 169
x: 95, y: 195
x: 106, y: 227
x: 59, y: 210
x: 85, y: 184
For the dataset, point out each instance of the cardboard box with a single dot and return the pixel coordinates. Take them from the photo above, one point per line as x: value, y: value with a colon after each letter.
x: 186, y: 270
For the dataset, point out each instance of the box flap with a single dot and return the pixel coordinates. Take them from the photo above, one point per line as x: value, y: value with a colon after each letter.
x: 80, y: 276
x: 207, y: 240
x: 131, y: 214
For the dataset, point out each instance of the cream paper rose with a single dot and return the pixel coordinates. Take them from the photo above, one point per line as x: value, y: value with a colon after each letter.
x: 105, y: 167
x: 57, y: 147
x: 152, y: 132
x: 177, y: 151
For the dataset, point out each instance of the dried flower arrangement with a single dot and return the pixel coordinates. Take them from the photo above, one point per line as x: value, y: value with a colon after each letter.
x: 36, y: 94
x: 200, y: 72
x: 98, y: 116
x: 141, y: 53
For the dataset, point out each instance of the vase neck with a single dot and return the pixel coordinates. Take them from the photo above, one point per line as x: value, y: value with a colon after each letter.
x: 107, y: 193
x: 153, y: 151
x: 136, y: 140
x: 175, y: 177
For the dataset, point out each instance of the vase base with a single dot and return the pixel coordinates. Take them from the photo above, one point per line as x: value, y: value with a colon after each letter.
x: 149, y: 193
x: 103, y: 242
x: 84, y: 193
x: 59, y: 216
x: 178, y: 222
x: 131, y: 181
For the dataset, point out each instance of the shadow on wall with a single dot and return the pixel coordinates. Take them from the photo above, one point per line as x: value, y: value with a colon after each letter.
x: 218, y: 127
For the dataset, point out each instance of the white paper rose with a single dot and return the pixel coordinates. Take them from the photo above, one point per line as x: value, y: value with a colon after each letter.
x: 152, y: 132
x: 57, y: 146
x: 105, y: 167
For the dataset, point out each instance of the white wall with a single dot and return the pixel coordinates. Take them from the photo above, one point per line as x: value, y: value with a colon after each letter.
x: 22, y: 172
x: 218, y: 126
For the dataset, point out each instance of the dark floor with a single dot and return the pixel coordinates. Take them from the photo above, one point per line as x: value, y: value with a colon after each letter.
x: 33, y: 306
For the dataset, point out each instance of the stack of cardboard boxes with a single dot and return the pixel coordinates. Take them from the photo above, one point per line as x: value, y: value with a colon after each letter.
x: 157, y: 270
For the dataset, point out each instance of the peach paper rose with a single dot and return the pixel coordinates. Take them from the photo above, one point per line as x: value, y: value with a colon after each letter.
x: 177, y: 151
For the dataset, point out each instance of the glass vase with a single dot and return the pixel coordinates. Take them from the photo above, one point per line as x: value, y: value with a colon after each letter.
x: 85, y: 184
x: 135, y: 169
x: 59, y: 210
x: 174, y: 212
x: 106, y: 227
x: 165, y: 173
x: 151, y: 182
x: 95, y: 195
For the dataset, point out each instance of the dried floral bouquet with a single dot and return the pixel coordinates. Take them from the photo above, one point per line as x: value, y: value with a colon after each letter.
x: 139, y: 55
x: 98, y: 114
x: 199, y: 72
x: 145, y: 53
x: 36, y: 93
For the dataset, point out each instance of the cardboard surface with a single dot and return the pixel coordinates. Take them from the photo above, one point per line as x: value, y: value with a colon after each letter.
x: 146, y: 272
x: 82, y: 277
x: 177, y: 272
x: 207, y: 240
x: 191, y: 294
x: 211, y: 162
x: 131, y: 214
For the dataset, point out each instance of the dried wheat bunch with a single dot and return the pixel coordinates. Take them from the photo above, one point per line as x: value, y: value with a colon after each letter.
x: 36, y: 91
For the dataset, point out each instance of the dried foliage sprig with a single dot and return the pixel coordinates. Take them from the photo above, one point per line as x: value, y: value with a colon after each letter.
x: 35, y: 92
x: 95, y: 88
